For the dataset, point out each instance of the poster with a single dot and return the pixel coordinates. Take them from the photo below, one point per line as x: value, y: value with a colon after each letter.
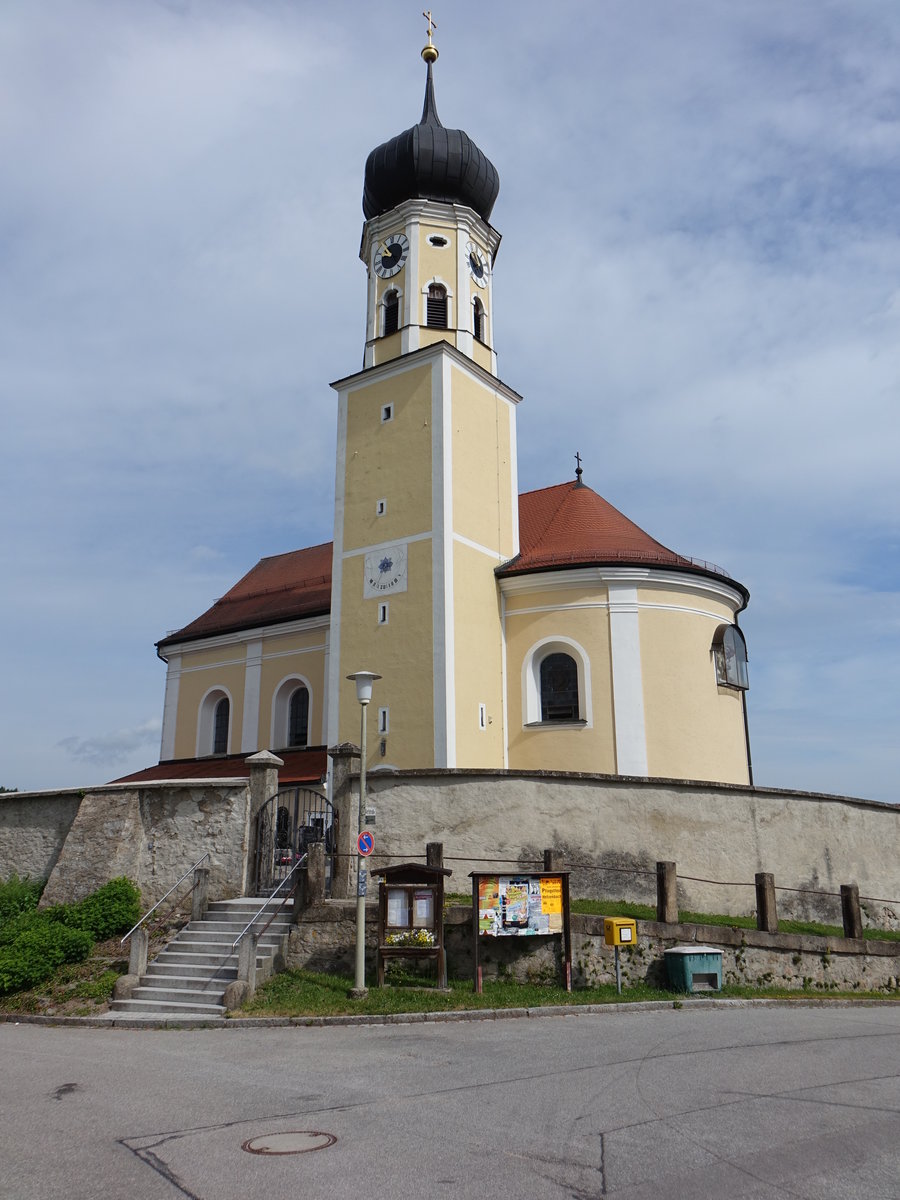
x: 519, y: 905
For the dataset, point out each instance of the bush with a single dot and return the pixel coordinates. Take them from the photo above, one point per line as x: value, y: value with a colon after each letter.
x: 18, y: 896
x: 111, y: 910
x: 38, y: 951
x: 34, y: 942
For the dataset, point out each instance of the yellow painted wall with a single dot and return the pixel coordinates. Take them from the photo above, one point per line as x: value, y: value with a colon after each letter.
x: 482, y: 354
x: 478, y: 658
x: 482, y: 479
x: 194, y: 684
x: 579, y: 749
x: 401, y: 651
x: 695, y: 729
x: 300, y: 654
x: 388, y: 460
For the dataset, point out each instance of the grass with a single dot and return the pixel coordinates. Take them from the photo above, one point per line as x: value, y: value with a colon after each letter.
x: 310, y: 994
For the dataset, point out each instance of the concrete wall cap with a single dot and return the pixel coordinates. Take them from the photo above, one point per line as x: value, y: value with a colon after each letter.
x: 265, y: 758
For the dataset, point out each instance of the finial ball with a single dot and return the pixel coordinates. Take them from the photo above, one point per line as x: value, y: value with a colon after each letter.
x: 430, y: 53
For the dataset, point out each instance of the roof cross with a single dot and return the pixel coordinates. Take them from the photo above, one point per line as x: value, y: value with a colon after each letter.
x: 578, y: 471
x: 431, y: 24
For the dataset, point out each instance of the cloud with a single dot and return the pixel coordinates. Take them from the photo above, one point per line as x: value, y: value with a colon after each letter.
x: 111, y: 748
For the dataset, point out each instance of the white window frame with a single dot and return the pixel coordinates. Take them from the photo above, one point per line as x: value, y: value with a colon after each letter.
x: 206, y: 720
x: 531, y: 683
x: 280, y: 726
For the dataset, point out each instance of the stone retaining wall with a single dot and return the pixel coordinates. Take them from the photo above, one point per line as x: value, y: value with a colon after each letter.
x: 610, y: 832
x: 325, y: 940
x: 33, y: 828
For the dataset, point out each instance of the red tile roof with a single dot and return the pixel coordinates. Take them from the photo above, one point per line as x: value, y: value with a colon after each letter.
x: 560, y: 527
x: 300, y: 766
x: 569, y: 525
x: 283, y: 587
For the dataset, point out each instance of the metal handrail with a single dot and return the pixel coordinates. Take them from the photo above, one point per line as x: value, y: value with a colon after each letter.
x: 301, y: 862
x: 160, y: 900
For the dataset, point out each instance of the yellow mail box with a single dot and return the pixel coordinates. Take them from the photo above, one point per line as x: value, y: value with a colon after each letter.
x: 619, y: 931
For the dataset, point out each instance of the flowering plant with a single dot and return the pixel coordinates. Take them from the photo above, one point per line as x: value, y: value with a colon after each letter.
x: 411, y: 937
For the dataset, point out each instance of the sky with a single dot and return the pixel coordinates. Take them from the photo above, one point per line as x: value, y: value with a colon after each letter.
x: 697, y: 290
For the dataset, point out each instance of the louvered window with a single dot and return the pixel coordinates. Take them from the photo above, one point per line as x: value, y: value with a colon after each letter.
x: 220, y: 727
x: 391, y: 313
x: 478, y: 319
x: 298, y: 719
x: 436, y: 306
x: 559, y: 688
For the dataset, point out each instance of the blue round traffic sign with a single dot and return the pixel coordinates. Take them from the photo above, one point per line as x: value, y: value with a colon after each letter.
x: 365, y: 843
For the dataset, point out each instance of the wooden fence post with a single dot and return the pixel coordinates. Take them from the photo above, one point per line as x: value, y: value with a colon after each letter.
x: 434, y: 854
x: 667, y: 893
x: 552, y: 860
x: 850, y: 910
x: 766, y: 912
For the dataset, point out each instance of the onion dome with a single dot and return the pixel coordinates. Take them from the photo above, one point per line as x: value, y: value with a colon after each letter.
x: 429, y: 162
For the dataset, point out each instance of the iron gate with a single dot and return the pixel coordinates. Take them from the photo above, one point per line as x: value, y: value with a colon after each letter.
x: 286, y: 826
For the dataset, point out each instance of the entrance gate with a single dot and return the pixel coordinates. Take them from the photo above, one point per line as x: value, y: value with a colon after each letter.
x: 286, y: 826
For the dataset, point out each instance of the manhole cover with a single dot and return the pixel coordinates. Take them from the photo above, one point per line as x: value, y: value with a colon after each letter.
x: 296, y: 1141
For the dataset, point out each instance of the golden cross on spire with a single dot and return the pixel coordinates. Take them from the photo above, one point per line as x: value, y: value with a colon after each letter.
x: 430, y: 52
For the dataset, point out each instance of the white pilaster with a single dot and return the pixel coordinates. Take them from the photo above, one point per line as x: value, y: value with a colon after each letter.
x: 628, y: 689
x: 252, y: 681
x: 442, y: 565
x: 170, y: 708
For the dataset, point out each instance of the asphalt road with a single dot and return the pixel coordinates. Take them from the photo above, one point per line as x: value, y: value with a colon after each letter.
x: 747, y: 1102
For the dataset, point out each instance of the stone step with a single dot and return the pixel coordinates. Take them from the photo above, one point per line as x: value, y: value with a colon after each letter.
x: 170, y: 995
x: 197, y: 958
x: 163, y: 1008
x: 189, y: 983
x: 222, y: 921
x: 178, y: 970
x: 223, y: 937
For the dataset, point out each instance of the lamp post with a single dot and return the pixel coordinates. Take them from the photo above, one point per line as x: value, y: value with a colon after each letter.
x: 363, y: 681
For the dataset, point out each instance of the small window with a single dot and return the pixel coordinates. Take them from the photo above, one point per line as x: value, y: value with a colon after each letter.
x: 437, y: 240
x: 383, y: 613
x: 478, y: 319
x: 220, y: 726
x: 380, y: 508
x: 387, y: 412
x: 730, y: 655
x: 383, y: 720
x: 391, y: 312
x: 436, y: 307
x: 559, y: 688
x: 482, y: 716
x: 298, y: 718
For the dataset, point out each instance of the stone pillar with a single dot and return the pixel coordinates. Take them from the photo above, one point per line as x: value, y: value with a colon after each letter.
x: 137, y: 965
x: 345, y: 766
x: 242, y: 988
x: 263, y: 785
x: 200, y: 894
x: 137, y: 958
x: 850, y: 910
x: 667, y: 893
x: 434, y: 854
x: 766, y: 912
x: 552, y: 860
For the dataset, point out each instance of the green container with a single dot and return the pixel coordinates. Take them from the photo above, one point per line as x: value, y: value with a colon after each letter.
x: 694, y: 968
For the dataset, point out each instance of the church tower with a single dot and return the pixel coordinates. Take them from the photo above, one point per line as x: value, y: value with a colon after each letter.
x: 426, y: 490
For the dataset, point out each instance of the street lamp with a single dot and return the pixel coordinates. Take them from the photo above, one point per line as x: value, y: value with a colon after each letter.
x: 363, y: 681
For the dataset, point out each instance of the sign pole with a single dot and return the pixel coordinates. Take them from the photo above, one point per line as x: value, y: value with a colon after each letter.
x: 363, y: 681
x: 618, y: 973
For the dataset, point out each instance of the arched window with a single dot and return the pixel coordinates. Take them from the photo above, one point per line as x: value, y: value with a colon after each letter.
x: 730, y: 654
x: 214, y: 723
x: 298, y: 718
x: 556, y: 684
x: 559, y: 688
x: 436, y: 306
x: 478, y: 319
x: 220, y: 726
x: 391, y: 312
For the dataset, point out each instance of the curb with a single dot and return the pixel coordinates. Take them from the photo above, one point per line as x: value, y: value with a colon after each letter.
x: 428, y: 1018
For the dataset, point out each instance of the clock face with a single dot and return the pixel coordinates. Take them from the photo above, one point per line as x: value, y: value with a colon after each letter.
x: 478, y: 267
x: 385, y: 571
x: 391, y: 255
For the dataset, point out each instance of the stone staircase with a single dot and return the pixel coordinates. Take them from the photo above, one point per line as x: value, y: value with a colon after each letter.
x: 188, y: 978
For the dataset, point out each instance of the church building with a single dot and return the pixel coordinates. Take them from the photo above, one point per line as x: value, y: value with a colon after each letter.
x: 534, y: 631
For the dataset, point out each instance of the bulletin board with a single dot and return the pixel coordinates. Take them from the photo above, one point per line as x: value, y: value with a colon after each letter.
x: 522, y: 905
